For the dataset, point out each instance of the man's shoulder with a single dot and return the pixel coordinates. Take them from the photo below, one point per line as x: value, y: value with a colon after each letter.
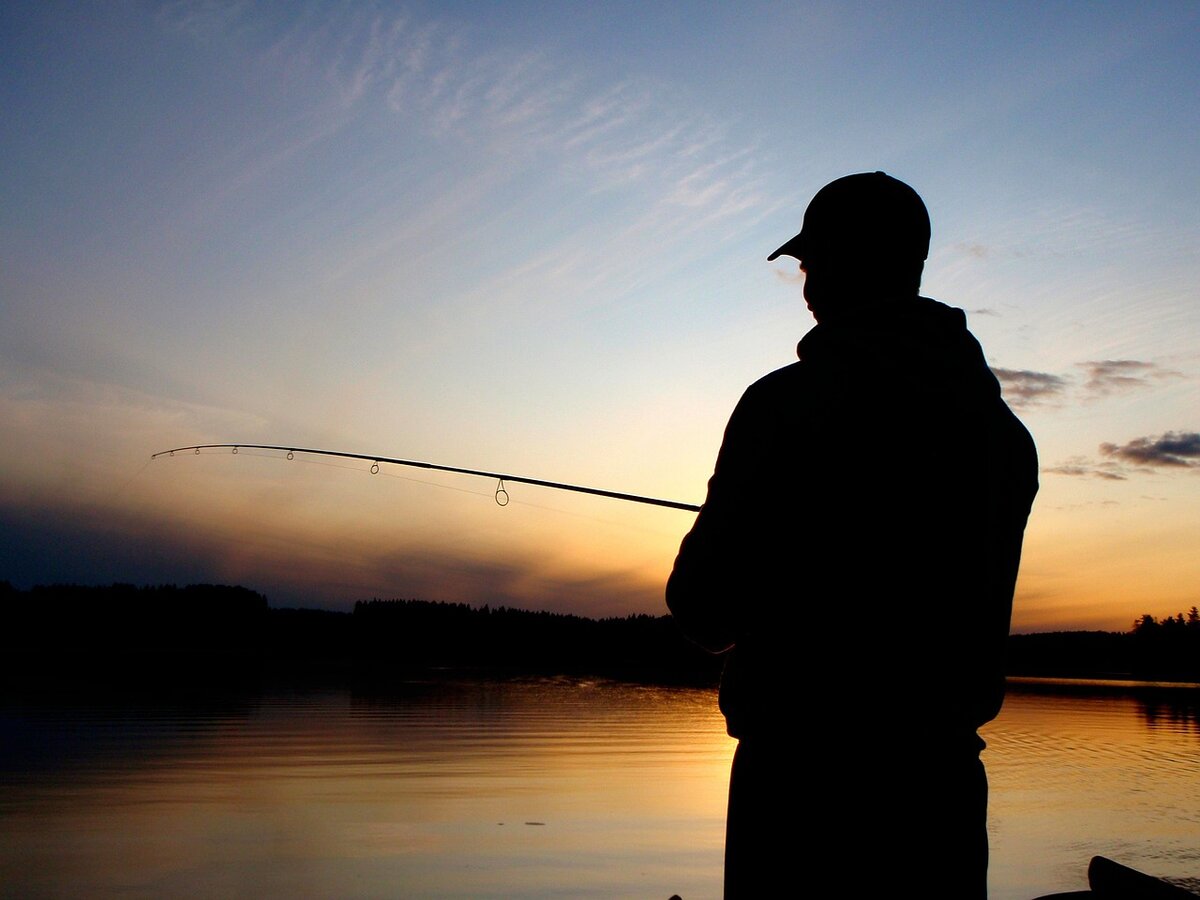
x: 788, y: 378
x: 771, y: 402
x: 773, y: 388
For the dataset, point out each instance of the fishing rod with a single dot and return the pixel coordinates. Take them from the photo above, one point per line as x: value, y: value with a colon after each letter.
x: 501, y: 478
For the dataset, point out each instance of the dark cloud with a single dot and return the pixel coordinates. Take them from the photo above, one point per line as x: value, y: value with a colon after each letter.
x: 1085, y: 468
x: 41, y: 544
x: 1023, y: 388
x: 1176, y: 449
x: 46, y: 544
x: 1109, y: 376
x: 973, y: 249
x: 983, y: 311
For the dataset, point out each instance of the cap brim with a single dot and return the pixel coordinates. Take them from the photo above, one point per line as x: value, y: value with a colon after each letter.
x: 791, y: 248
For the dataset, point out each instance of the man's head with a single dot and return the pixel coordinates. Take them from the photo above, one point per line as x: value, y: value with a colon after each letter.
x: 865, y: 238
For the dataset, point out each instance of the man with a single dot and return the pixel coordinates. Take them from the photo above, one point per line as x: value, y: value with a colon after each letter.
x: 856, y: 556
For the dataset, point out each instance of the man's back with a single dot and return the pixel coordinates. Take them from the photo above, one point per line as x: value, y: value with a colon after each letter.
x: 864, y: 522
x: 857, y: 555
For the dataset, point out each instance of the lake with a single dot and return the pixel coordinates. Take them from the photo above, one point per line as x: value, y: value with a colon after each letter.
x: 540, y: 788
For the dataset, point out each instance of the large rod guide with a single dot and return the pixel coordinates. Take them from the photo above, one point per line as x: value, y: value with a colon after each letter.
x: 501, y: 478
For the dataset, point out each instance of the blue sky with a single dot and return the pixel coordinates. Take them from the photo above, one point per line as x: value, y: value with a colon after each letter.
x: 531, y: 237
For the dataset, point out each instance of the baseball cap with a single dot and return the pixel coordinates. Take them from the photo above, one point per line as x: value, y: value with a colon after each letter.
x: 869, y: 214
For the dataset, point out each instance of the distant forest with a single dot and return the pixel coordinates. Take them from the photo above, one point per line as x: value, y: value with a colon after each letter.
x: 211, y: 634
x: 207, y: 634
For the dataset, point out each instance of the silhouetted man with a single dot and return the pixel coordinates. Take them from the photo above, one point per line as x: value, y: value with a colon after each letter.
x: 857, y: 555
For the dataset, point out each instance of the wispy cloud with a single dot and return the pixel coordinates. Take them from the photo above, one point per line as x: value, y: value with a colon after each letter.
x: 201, y: 18
x: 646, y: 167
x: 1081, y: 466
x: 1114, y: 375
x: 976, y: 250
x: 1062, y: 230
x: 1024, y: 388
x: 530, y: 105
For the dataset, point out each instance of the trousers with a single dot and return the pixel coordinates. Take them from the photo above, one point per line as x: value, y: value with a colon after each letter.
x: 874, y: 820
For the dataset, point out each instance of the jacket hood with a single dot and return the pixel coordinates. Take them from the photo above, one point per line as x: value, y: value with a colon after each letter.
x: 920, y: 336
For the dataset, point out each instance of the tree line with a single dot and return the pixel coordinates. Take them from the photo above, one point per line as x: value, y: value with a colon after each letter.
x: 207, y: 633
x: 218, y: 632
x: 1166, y: 649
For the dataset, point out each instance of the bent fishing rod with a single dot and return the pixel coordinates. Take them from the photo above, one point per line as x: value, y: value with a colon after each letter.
x: 501, y: 478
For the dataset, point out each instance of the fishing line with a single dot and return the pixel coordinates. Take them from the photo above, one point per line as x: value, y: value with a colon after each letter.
x: 383, y: 473
x: 120, y: 489
x: 360, y: 470
x: 501, y: 495
x: 524, y: 504
x: 356, y: 469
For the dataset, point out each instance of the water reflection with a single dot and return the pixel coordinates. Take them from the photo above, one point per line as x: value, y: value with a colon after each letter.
x: 1084, y: 768
x: 524, y: 789
x: 1170, y: 705
x: 431, y: 793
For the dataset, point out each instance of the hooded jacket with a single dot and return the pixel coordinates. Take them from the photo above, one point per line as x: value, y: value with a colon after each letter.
x: 863, y: 527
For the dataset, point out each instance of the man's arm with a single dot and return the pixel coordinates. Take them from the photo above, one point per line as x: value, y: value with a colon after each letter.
x: 708, y: 591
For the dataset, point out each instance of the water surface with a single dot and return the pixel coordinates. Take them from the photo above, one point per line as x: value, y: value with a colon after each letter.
x: 549, y: 788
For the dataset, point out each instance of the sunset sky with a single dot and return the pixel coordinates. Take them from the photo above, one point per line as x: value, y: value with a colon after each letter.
x: 532, y: 237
